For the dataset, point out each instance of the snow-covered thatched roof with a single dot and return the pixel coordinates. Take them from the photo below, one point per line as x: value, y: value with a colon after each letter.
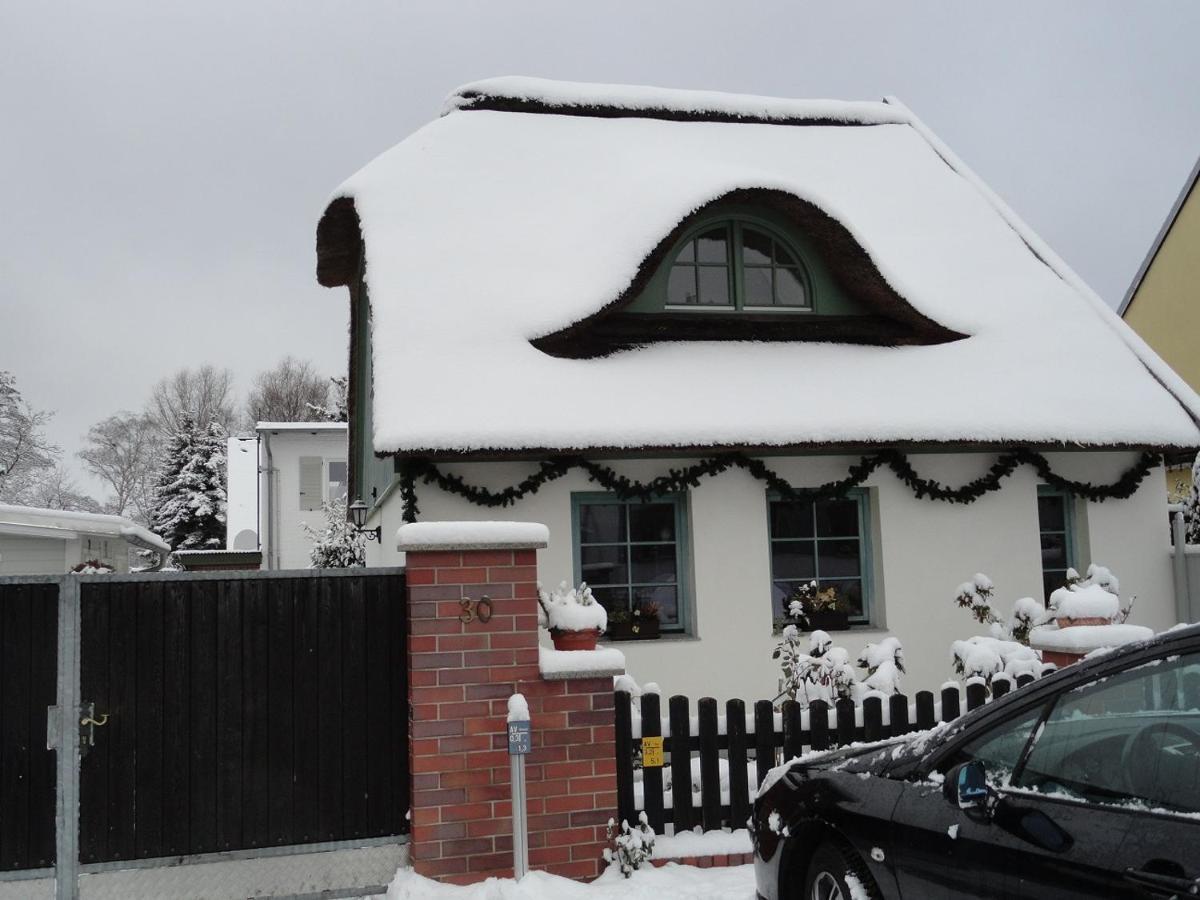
x: 530, y: 206
x: 63, y: 524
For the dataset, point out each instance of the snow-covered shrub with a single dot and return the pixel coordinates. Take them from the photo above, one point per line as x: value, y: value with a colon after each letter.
x: 1191, y: 506
x: 570, y: 609
x: 976, y: 596
x: 1096, y: 595
x: 986, y: 657
x: 808, y: 599
x: 824, y: 672
x: 631, y: 847
x: 189, y: 498
x: 92, y: 567
x: 337, y: 545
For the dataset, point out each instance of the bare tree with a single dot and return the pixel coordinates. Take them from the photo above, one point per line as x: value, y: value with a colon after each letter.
x: 201, y: 395
x: 287, y: 393
x: 337, y: 409
x: 123, y: 452
x: 55, y: 489
x: 25, y: 451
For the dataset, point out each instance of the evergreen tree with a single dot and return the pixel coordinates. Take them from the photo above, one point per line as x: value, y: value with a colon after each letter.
x: 189, y: 511
x: 338, y: 545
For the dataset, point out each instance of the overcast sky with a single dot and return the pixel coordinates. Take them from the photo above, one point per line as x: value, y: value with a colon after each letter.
x: 163, y: 165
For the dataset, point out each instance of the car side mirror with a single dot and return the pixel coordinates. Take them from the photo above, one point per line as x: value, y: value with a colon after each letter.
x: 966, y: 785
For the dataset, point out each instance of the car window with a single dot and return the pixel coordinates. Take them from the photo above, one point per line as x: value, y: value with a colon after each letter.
x: 999, y: 748
x: 1133, y: 737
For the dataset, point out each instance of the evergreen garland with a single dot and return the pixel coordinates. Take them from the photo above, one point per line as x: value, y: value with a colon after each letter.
x: 689, y: 477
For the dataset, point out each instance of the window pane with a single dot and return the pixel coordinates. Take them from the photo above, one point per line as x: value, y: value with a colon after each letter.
x: 789, y: 289
x: 849, y: 592
x: 1052, y: 581
x: 652, y: 521
x: 756, y: 247
x: 601, y: 523
x: 612, y: 598
x: 1052, y: 514
x: 792, y: 560
x: 758, y: 286
x: 837, y: 518
x: 1054, y: 551
x: 667, y: 598
x: 791, y: 518
x: 337, y: 480
x: 655, y: 564
x: 688, y: 253
x: 603, y: 565
x: 1141, y: 714
x: 714, y: 285
x: 681, y: 285
x: 783, y: 257
x: 837, y: 559
x: 710, y: 246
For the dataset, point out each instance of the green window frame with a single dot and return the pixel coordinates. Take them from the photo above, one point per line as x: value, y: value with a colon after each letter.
x: 616, y: 550
x: 800, y: 544
x: 1056, y: 536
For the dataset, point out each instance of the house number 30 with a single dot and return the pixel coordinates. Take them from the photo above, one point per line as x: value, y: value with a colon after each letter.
x: 480, y: 609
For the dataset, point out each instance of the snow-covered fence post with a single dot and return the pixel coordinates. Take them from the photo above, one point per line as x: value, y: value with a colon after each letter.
x: 473, y: 643
x: 519, y: 740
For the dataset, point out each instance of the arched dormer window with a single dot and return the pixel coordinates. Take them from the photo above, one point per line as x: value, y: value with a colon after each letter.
x: 756, y: 265
x: 737, y: 263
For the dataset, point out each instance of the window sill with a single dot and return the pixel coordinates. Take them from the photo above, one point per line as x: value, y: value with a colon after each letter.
x: 672, y: 637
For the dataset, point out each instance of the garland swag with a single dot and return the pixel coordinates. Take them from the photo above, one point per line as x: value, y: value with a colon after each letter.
x: 680, y: 479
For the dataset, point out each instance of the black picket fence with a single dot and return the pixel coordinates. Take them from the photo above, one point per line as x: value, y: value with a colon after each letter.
x: 775, y: 736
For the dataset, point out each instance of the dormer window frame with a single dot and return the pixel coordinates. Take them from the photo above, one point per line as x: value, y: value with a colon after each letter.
x: 735, y: 221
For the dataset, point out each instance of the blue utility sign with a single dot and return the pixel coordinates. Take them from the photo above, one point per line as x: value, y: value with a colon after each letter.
x: 519, y: 742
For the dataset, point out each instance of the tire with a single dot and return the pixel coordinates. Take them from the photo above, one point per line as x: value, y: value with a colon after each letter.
x: 826, y: 877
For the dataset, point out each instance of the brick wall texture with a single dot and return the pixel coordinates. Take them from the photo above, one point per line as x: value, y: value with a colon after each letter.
x: 461, y: 675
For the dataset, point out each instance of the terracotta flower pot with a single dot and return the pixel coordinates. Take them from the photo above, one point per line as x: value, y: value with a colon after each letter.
x: 575, y: 640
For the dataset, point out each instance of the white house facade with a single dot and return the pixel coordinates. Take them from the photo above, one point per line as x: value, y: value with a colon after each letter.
x: 36, y: 541
x: 724, y: 346
x: 279, y: 480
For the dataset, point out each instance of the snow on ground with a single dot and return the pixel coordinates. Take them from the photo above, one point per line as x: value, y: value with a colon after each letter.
x: 670, y: 882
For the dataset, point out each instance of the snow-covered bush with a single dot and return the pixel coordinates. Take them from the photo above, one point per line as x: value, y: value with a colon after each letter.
x: 92, y: 567
x: 337, y: 545
x: 189, y: 499
x: 1191, y: 505
x: 986, y: 657
x: 824, y: 672
x: 570, y: 609
x: 631, y: 847
x: 1096, y: 595
x: 976, y: 596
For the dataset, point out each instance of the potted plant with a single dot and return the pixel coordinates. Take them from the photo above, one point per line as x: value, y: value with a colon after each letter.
x: 572, y: 615
x: 815, y: 609
x: 639, y: 624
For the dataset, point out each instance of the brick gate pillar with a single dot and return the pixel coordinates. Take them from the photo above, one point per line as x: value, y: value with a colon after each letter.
x: 462, y: 669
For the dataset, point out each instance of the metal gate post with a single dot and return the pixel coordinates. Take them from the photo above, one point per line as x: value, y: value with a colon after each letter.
x: 66, y: 812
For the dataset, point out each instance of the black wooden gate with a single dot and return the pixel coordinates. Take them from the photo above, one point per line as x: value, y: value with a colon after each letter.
x: 243, y: 711
x: 28, y: 680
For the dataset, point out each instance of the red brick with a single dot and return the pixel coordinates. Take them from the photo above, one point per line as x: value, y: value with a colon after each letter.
x: 477, y: 575
x: 439, y: 763
x: 592, y: 785
x: 481, y: 827
x: 466, y: 811
x: 597, y: 818
x: 432, y: 559
x: 442, y: 694
x: 440, y: 593
x: 525, y: 557
x: 513, y: 574
x: 512, y: 640
x: 487, y: 557
x: 470, y: 776
x: 589, y: 751
x: 489, y: 692
x: 581, y: 869
x: 489, y: 861
x: 468, y: 847
x: 469, y: 709
x: 427, y: 799
x: 433, y: 868
x: 720, y: 860
x: 568, y: 837
x: 444, y: 832
x: 548, y: 855
x: 462, y: 642
x: 436, y: 626
x: 422, y: 643
x: 587, y: 717
x: 480, y: 793
x: 459, y: 744
x: 426, y: 781
x: 569, y: 770
x: 568, y: 803
x: 463, y: 676
x: 419, y: 576
x: 426, y: 729
x: 423, y: 679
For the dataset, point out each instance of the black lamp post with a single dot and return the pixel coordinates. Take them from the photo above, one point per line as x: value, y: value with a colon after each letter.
x: 358, y: 518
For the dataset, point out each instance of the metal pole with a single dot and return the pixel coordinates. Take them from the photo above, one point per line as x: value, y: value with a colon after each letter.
x: 520, y: 832
x: 1179, y: 564
x: 66, y: 812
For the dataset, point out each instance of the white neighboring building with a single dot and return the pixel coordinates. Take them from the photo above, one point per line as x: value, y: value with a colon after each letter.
x: 555, y: 287
x: 53, y: 541
x: 278, y: 479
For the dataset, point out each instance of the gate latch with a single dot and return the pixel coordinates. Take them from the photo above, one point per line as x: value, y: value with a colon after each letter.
x: 88, y: 723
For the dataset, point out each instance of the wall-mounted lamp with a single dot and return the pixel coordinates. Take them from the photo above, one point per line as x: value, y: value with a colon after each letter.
x: 358, y: 518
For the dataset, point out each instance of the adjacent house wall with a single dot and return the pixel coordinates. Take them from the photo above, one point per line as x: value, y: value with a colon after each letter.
x: 922, y: 551
x: 36, y: 555
x: 288, y: 546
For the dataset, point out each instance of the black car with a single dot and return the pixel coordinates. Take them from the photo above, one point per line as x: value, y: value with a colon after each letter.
x: 1083, y: 784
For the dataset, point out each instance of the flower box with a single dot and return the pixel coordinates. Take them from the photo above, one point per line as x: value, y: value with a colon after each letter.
x: 633, y: 630
x: 828, y: 620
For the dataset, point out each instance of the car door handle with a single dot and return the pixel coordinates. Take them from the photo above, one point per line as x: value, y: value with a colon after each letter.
x: 1169, y: 884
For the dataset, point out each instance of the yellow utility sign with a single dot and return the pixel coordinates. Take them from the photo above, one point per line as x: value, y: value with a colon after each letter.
x: 652, y: 752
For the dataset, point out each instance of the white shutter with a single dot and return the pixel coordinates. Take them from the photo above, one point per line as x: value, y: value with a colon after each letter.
x: 311, y: 480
